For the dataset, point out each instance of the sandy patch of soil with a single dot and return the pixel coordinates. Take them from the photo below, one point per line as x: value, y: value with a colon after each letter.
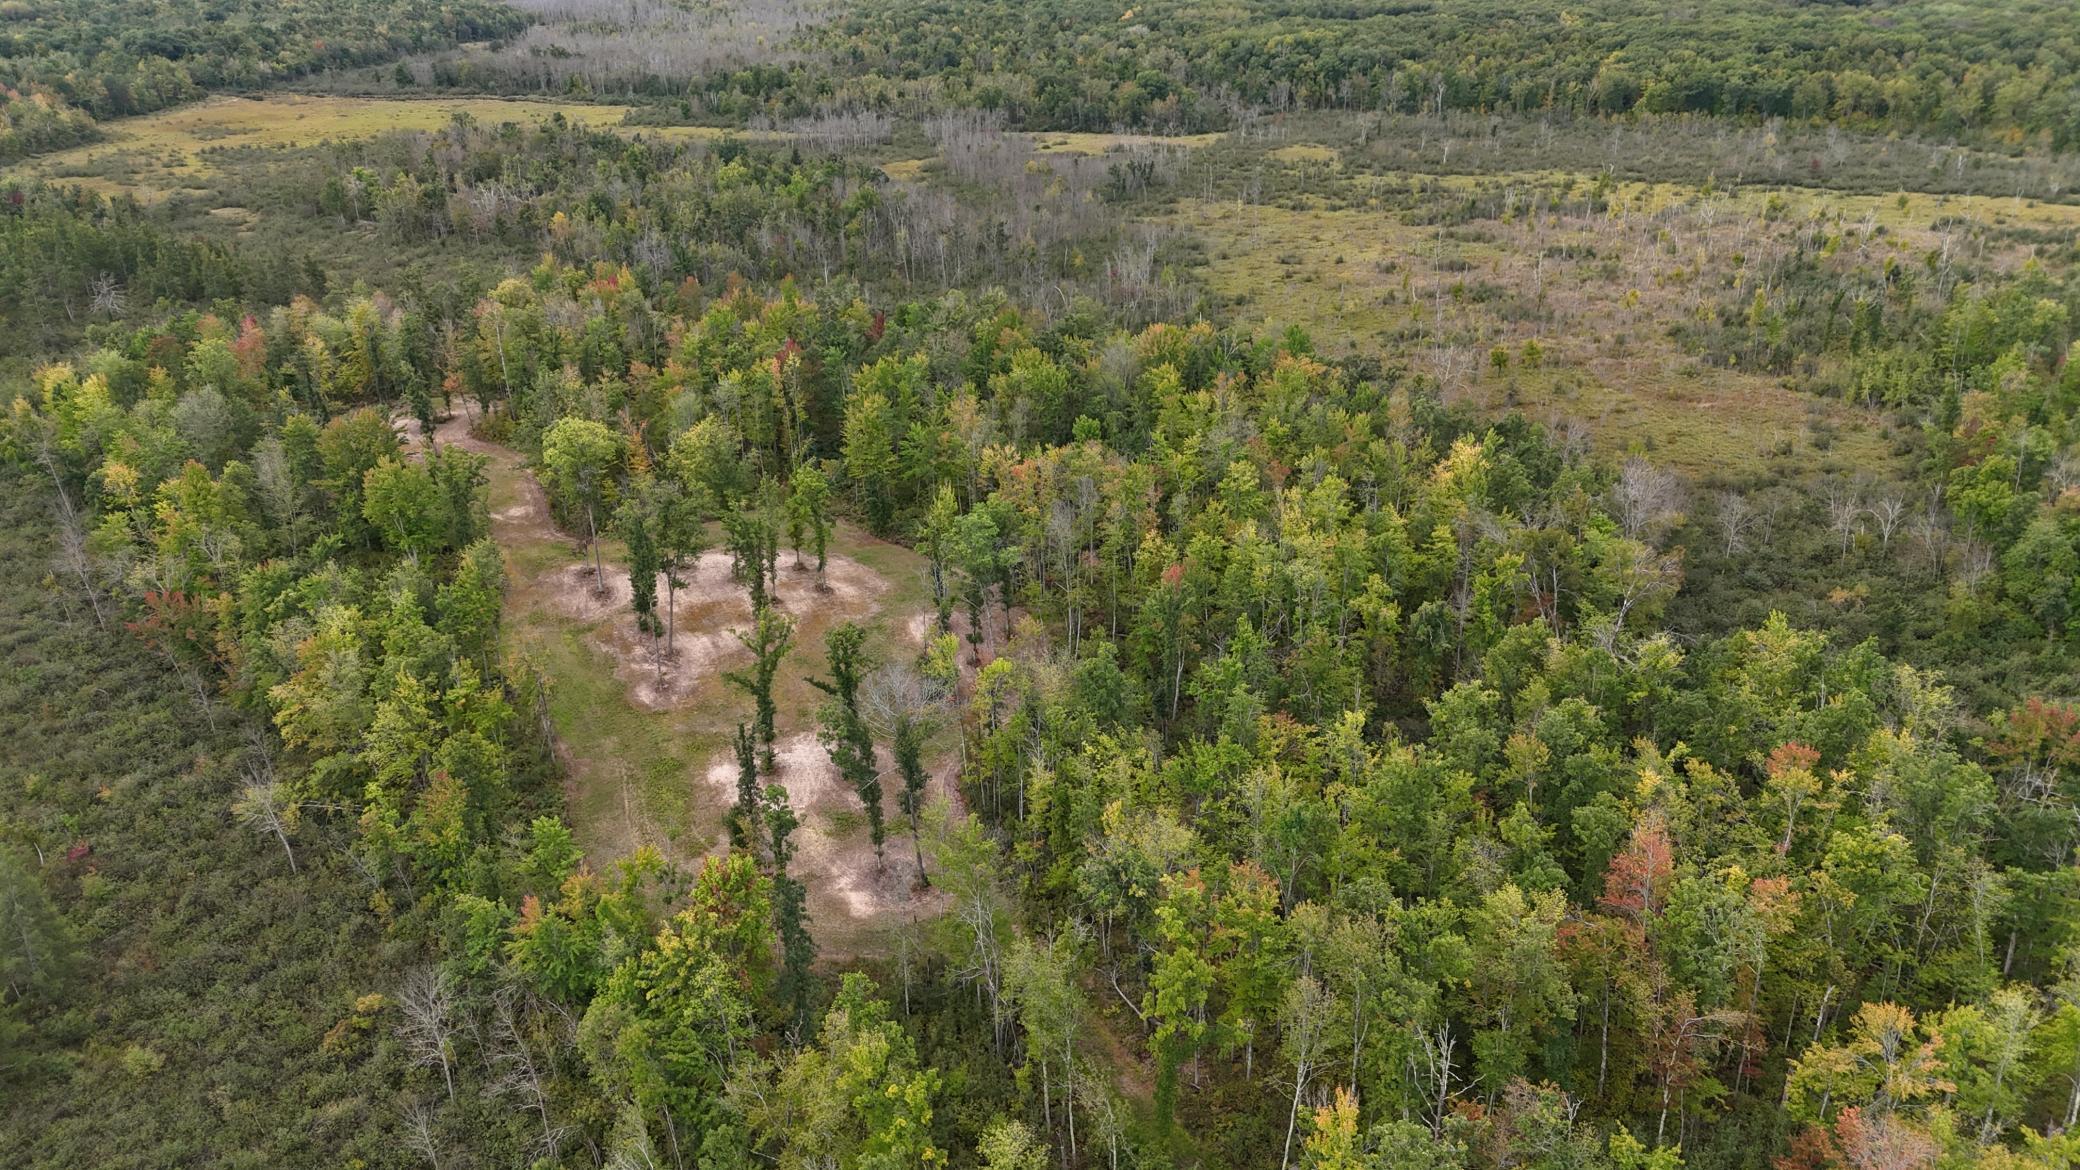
x: 708, y: 610
x: 834, y: 854
x: 530, y: 512
x: 578, y: 593
x: 409, y: 432
x: 659, y: 681
x: 849, y: 587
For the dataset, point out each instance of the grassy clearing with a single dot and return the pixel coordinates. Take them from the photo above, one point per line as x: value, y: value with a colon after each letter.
x: 1581, y: 300
x: 1305, y: 152
x: 1066, y: 142
x: 905, y: 170
x: 1364, y: 282
x: 639, y: 771
x: 159, y: 154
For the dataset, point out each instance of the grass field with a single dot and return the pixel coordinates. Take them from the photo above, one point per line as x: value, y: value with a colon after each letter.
x: 1068, y: 142
x: 1364, y: 282
x: 159, y: 154
x: 1462, y: 276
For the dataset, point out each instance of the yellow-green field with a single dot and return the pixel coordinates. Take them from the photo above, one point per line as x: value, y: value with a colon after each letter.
x: 160, y: 154
x: 905, y: 170
x: 1305, y: 152
x: 1079, y: 143
x: 1595, y: 294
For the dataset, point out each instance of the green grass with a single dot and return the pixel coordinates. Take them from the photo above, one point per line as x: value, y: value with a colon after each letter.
x: 1362, y: 279
x: 158, y: 154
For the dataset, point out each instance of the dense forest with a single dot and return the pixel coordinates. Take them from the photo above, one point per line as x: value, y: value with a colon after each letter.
x: 870, y: 613
x: 2002, y: 71
x: 1997, y: 74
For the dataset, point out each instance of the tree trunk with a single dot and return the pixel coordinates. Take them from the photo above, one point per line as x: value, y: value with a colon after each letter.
x: 284, y: 839
x: 599, y: 574
x: 1293, y: 1114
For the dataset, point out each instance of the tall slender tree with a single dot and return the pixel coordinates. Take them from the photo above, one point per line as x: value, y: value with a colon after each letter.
x: 845, y: 732
x: 769, y: 639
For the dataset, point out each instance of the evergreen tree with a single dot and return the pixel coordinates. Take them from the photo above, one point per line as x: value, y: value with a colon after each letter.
x: 769, y: 639
x: 845, y: 732
x: 909, y: 753
x: 790, y: 908
x: 638, y: 521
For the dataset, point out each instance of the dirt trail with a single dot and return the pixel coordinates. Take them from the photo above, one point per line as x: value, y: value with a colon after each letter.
x: 519, y: 506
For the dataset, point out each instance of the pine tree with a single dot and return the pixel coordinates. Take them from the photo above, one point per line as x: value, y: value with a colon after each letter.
x: 638, y: 523
x: 770, y: 637
x: 845, y: 732
x: 744, y: 818
x: 809, y: 508
x: 753, y: 546
x: 790, y: 907
x: 909, y: 748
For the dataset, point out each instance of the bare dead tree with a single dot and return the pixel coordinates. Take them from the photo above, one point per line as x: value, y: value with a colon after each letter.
x: 419, y: 1131
x: 837, y: 129
x: 263, y: 807
x: 106, y: 295
x: 73, y: 557
x: 519, y: 1072
x: 1975, y: 564
x: 1889, y: 512
x: 1303, y: 1018
x: 1431, y: 1065
x: 427, y: 1002
x: 1643, y: 577
x: 1932, y: 533
x: 632, y: 46
x: 1736, y: 516
x: 1845, y: 512
x: 1647, y: 500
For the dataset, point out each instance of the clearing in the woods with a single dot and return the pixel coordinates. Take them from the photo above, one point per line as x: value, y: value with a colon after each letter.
x: 645, y: 739
x: 177, y: 150
x: 1575, y: 301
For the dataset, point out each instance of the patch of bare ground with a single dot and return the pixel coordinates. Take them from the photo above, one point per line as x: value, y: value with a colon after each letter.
x: 709, y: 607
x: 625, y: 785
x: 582, y: 593
x: 659, y: 680
x: 409, y: 432
x: 1133, y: 1074
x: 850, y: 889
